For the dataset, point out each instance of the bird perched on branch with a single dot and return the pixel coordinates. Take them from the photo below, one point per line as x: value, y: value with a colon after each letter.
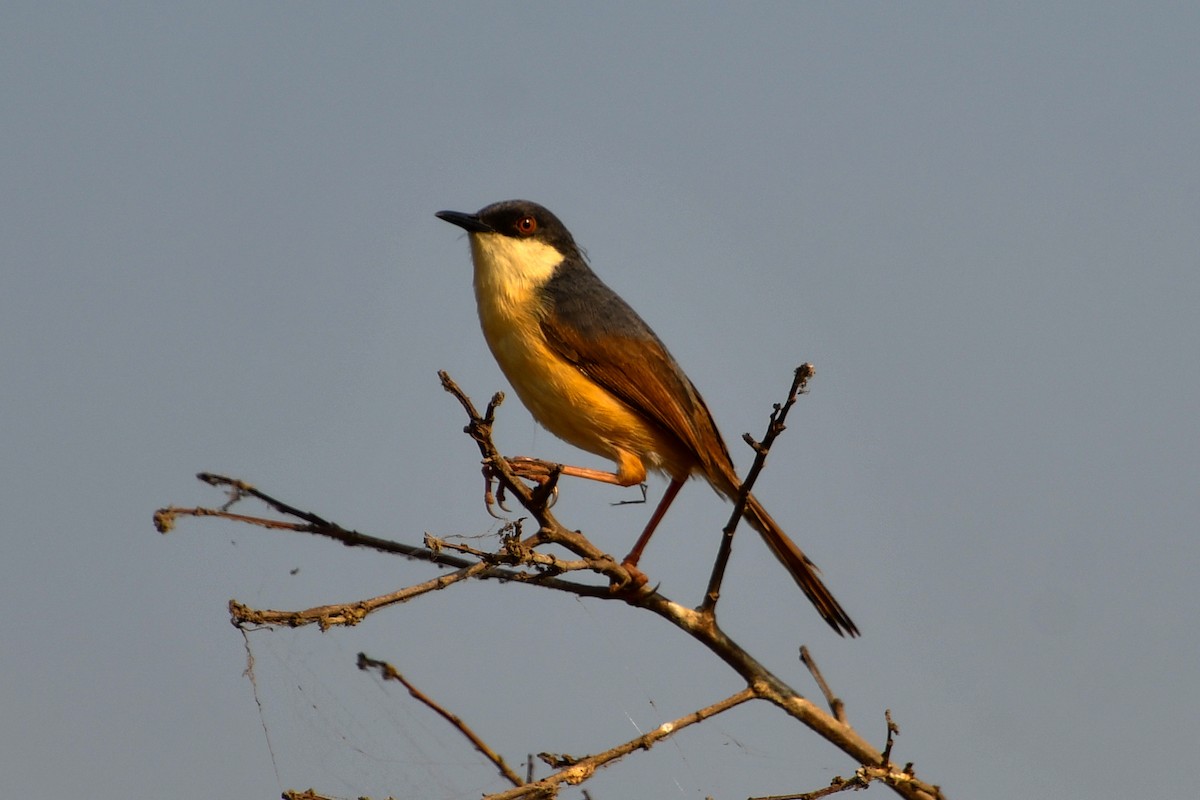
x: 595, y: 375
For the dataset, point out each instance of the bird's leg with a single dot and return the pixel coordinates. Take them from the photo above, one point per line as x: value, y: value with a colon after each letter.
x: 635, y: 555
x: 637, y: 578
x: 541, y: 472
x: 535, y: 469
x: 630, y: 471
x: 644, y: 487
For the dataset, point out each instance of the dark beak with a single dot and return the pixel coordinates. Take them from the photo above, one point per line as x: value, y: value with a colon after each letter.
x: 468, y: 222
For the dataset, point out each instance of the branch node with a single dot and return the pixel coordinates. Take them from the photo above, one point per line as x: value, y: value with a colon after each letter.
x: 755, y: 445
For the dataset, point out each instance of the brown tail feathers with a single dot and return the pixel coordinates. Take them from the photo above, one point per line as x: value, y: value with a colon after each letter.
x: 803, y: 571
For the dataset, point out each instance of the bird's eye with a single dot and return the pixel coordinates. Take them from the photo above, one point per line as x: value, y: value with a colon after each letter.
x: 526, y: 226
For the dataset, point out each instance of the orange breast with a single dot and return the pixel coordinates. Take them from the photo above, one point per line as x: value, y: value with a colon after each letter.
x: 560, y: 397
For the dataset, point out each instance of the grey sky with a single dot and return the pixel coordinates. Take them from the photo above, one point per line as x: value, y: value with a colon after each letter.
x: 218, y: 252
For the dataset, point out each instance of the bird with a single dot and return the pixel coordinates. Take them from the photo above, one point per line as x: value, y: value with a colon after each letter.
x: 594, y: 374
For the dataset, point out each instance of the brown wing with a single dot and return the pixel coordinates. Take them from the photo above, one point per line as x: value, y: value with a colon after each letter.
x: 640, y: 372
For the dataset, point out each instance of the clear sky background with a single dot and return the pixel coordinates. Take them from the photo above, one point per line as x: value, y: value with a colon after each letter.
x: 218, y: 252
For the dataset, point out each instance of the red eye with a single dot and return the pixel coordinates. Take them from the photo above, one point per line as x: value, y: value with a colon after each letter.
x: 526, y: 226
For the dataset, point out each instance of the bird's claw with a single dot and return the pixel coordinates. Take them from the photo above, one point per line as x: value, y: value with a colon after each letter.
x: 540, y: 472
x: 635, y: 586
x: 490, y: 498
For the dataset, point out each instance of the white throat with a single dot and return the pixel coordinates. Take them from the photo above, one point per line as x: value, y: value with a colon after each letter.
x: 511, y: 267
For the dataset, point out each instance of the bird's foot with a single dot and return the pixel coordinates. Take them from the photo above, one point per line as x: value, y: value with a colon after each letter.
x: 533, y: 469
x: 543, y: 473
x: 634, y: 586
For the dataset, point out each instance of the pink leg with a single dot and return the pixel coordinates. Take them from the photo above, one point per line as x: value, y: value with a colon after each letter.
x: 635, y: 554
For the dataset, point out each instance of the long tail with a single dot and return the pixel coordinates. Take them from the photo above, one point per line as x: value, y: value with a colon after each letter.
x: 803, y: 571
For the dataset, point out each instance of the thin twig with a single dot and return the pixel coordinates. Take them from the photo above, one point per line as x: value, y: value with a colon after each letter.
x: 573, y: 770
x: 348, y: 614
x: 390, y: 673
x: 838, y: 784
x: 893, y: 730
x: 775, y: 427
x: 164, y: 520
x: 515, y: 552
x: 328, y: 616
x: 835, y: 703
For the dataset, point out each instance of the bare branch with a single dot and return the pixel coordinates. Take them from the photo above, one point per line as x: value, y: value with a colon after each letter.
x: 838, y: 784
x: 164, y: 520
x: 329, y: 616
x: 702, y: 626
x: 573, y: 770
x: 835, y: 704
x: 775, y: 427
x: 893, y: 730
x: 391, y: 674
x: 521, y: 559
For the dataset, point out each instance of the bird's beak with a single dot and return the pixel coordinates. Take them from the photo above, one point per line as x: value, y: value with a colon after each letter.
x: 468, y: 222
